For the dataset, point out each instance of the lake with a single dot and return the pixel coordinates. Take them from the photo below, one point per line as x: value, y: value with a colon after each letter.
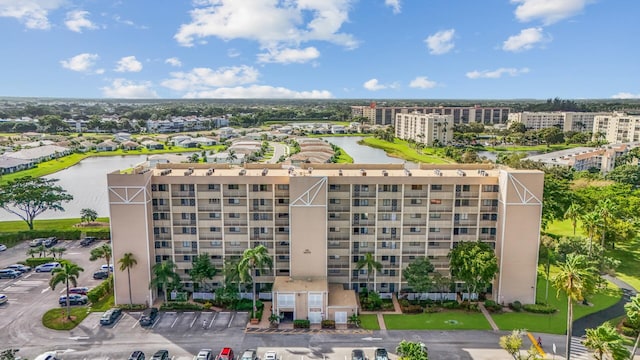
x: 363, y: 154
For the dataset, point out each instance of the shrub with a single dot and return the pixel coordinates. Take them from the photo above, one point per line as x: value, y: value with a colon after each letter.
x: 33, y: 262
x: 492, y: 306
x: 180, y: 305
x: 451, y: 305
x: 207, y: 305
x: 469, y: 306
x: 412, y: 309
x: 539, y: 308
x: 101, y: 290
x: 404, y: 302
x: 301, y: 324
x: 387, y: 305
x: 516, y: 306
x: 371, y: 301
x: 247, y: 305
x: 133, y: 307
x: 430, y: 309
x: 627, y: 331
x: 328, y: 324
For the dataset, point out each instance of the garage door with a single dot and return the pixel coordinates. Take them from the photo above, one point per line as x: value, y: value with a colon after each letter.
x: 341, y: 317
x: 315, y: 317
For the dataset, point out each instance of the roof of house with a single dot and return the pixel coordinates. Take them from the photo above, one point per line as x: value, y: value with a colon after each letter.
x: 8, y: 162
x: 38, y: 152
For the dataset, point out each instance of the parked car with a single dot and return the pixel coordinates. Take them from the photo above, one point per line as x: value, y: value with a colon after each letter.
x: 136, y: 355
x: 50, y: 241
x: 110, y: 316
x: 148, y: 316
x: 48, y: 267
x: 161, y: 355
x: 74, y: 299
x: 87, y: 241
x: 3, y: 299
x: 204, y: 354
x: 36, y: 242
x: 100, y: 275
x: 250, y: 354
x: 3, y: 247
x: 226, y: 354
x: 357, y: 354
x: 49, y: 355
x: 270, y: 355
x: 380, y: 354
x: 105, y: 267
x: 9, y: 274
x: 19, y: 267
x: 83, y: 290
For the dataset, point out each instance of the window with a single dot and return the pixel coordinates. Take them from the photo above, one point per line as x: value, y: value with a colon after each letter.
x: 462, y: 202
x: 435, y: 187
x: 434, y: 230
x: 490, y: 202
x: 213, y: 187
x: 463, y: 188
x: 361, y: 202
x: 214, y: 201
x: 415, y: 216
x: 460, y: 231
x: 283, y: 230
x: 416, y: 187
x: 233, y: 201
x: 260, y: 187
x: 490, y: 188
x: 283, y: 187
x: 416, y: 201
x: 334, y: 215
x: 414, y: 230
x: 283, y: 215
x: 214, y: 229
x: 214, y: 215
x: 386, y: 202
x: 187, y: 202
x: 187, y: 187
x: 435, y: 215
x: 186, y: 244
x: 234, y: 229
x: 283, y: 201
x: 334, y: 187
x: 234, y: 215
x: 360, y: 231
x: 435, y: 201
x: 334, y: 201
x: 233, y: 187
x: 334, y: 229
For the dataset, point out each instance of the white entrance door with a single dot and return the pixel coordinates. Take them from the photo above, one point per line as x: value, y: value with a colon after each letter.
x: 315, y: 317
x: 341, y: 317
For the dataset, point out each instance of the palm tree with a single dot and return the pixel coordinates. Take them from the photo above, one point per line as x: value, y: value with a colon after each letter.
x: 128, y: 261
x: 68, y: 273
x: 591, y: 223
x: 164, y: 274
x: 408, y: 350
x: 573, y: 213
x: 253, y: 260
x: 32, y: 252
x: 577, y: 277
x: 632, y: 308
x: 606, y: 343
x: 547, y: 257
x: 606, y: 209
x: 232, y: 273
x: 42, y: 250
x: 102, y: 252
x: 369, y: 261
x: 232, y: 156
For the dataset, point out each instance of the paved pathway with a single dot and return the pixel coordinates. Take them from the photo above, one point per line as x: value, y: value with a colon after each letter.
x: 488, y: 316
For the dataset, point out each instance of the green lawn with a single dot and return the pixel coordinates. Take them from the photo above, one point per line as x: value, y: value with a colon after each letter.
x: 629, y: 256
x: 564, y: 228
x: 104, y: 304
x: 369, y: 322
x: 403, y: 150
x: 53, y: 224
x: 555, y: 323
x: 542, y: 148
x: 445, y: 320
x: 56, y: 319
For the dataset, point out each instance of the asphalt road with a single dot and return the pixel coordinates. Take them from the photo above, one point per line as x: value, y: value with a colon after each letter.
x: 183, y: 335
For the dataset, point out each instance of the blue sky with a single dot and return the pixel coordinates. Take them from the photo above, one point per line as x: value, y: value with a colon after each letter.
x: 360, y: 49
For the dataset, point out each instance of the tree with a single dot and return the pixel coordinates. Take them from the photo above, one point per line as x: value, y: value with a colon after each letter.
x: 232, y: 273
x: 202, y: 270
x: 417, y: 274
x: 164, y: 274
x: 127, y: 262
x: 32, y: 252
x: 577, y: 278
x: 369, y: 261
x: 556, y: 198
x: 606, y: 343
x: 67, y: 274
x: 88, y: 215
x: 28, y: 197
x: 606, y: 209
x: 573, y: 213
x: 59, y: 251
x: 591, y: 221
x: 475, y: 263
x: 102, y: 252
x: 254, y: 260
x: 547, y: 257
x: 8, y: 354
x: 632, y: 310
x: 441, y: 283
x: 513, y: 342
x: 408, y: 350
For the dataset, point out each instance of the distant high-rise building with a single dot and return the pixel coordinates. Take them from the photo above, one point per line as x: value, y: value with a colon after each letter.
x: 428, y: 129
x: 565, y: 120
x: 617, y: 127
x: 386, y: 115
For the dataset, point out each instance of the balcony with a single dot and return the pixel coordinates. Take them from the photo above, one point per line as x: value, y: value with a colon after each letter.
x: 389, y: 208
x: 467, y: 194
x: 205, y: 207
x: 183, y: 193
x: 161, y: 208
x: 184, y: 222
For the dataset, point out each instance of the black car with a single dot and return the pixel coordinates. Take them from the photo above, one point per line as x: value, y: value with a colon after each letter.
x: 136, y: 355
x: 87, y: 241
x: 100, y: 275
x: 161, y: 355
x: 110, y: 316
x: 148, y: 316
x: 50, y: 241
x: 357, y: 354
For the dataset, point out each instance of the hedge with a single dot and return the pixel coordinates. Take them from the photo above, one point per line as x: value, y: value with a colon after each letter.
x: 33, y: 262
x: 412, y: 309
x: 133, y: 307
x: 74, y: 234
x: 101, y: 290
x: 301, y: 324
x: 328, y: 324
x: 539, y: 308
x: 181, y: 305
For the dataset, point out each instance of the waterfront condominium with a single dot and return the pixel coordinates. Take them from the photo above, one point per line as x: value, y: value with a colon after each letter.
x: 386, y: 115
x: 429, y: 129
x: 318, y: 220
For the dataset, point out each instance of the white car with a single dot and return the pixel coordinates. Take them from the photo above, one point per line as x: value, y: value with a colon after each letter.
x: 204, y: 354
x: 48, y: 267
x: 270, y: 355
x: 3, y: 298
x: 3, y: 247
x: 104, y: 267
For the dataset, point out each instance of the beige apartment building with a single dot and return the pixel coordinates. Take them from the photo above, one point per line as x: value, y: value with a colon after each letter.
x: 386, y: 115
x: 618, y: 127
x: 428, y: 129
x: 319, y: 220
x: 565, y: 120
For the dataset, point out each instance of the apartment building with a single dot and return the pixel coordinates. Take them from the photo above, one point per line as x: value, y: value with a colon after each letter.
x: 428, y: 129
x: 602, y: 158
x: 565, y: 120
x: 386, y: 115
x: 618, y: 127
x: 318, y: 220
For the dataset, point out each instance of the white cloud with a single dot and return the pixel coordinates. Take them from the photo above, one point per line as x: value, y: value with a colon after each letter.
x: 233, y: 53
x: 271, y: 23
x: 77, y: 20
x: 394, y: 4
x: 373, y: 85
x: 173, y: 61
x: 203, y: 79
x: 440, y: 42
x: 525, y: 40
x: 422, y: 82
x: 625, y: 95
x: 128, y: 64
x: 33, y: 13
x: 82, y: 62
x: 495, y: 74
x: 259, y: 91
x: 126, y: 89
x: 287, y: 56
x: 549, y: 11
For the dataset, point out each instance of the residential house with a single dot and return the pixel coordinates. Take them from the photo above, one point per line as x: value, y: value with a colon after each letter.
x: 152, y: 145
x: 107, y: 145
x: 10, y: 165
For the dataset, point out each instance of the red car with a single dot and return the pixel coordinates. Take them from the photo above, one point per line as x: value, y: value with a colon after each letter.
x: 79, y: 290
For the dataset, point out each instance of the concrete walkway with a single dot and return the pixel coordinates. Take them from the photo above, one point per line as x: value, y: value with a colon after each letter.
x: 488, y: 316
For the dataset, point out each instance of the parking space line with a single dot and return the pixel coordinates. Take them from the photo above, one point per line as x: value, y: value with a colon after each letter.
x: 231, y: 320
x: 44, y: 290
x: 212, y: 320
x: 175, y: 320
x: 157, y: 321
x: 193, y: 321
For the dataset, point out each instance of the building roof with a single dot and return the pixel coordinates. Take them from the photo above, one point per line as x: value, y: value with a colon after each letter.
x: 8, y: 162
x: 38, y: 152
x: 287, y: 284
x: 339, y: 297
